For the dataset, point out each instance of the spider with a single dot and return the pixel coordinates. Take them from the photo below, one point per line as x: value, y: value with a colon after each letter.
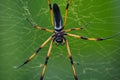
x: 58, y: 36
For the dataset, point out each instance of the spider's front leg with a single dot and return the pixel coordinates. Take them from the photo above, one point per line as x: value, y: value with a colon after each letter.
x: 36, y: 52
x: 30, y: 20
x: 66, y: 13
x: 51, y: 13
x: 38, y: 27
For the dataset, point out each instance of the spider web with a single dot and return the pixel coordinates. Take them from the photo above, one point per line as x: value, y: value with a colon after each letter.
x: 93, y: 60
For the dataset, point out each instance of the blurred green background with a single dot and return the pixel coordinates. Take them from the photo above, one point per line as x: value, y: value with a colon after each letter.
x: 93, y: 60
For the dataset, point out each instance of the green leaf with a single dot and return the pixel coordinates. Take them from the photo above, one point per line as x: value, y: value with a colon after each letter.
x: 93, y: 60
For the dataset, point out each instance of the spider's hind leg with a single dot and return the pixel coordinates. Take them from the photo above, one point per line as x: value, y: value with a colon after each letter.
x: 71, y: 60
x: 30, y: 20
x: 94, y: 39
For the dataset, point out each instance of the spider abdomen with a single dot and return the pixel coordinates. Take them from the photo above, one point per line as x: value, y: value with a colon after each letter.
x: 58, y: 24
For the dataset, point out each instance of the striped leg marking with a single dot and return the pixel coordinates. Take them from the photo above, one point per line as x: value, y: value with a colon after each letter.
x: 66, y: 13
x: 73, y: 29
x: 35, y: 53
x: 46, y: 61
x: 94, y: 39
x: 38, y: 27
x: 30, y: 20
x: 45, y: 29
x: 51, y: 14
x: 71, y: 60
x: 81, y: 28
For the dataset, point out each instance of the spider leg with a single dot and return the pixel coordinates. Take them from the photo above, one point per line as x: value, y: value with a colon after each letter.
x: 45, y: 29
x: 81, y: 28
x: 38, y: 27
x: 71, y: 60
x: 73, y: 29
x: 95, y: 39
x: 51, y: 14
x: 46, y: 61
x: 36, y: 52
x: 66, y: 13
x: 30, y: 20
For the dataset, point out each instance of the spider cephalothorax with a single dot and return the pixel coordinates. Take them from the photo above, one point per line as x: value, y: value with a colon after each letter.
x: 59, y: 37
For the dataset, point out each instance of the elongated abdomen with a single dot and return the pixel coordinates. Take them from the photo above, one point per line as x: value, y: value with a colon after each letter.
x: 58, y: 24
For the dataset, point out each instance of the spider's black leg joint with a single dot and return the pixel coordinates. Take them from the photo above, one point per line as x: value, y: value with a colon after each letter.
x: 85, y: 38
x: 38, y: 50
x: 49, y: 3
x: 50, y: 6
x: 67, y: 6
x: 71, y: 60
